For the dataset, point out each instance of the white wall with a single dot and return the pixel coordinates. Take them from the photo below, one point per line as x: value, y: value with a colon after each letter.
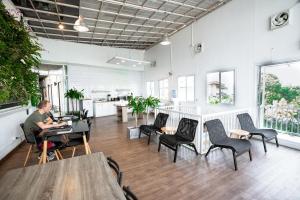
x: 96, y: 78
x: 11, y: 134
x: 87, y: 67
x: 235, y: 36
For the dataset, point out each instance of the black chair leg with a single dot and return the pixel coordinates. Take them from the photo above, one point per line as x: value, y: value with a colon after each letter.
x: 193, y: 145
x: 250, y: 155
x: 159, y: 144
x: 264, y: 143
x: 175, y: 156
x: 210, y: 148
x: 149, y: 138
x: 276, y: 139
x: 234, y: 160
x: 140, y: 133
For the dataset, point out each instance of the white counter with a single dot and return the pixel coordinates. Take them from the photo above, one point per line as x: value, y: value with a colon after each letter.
x: 106, y: 108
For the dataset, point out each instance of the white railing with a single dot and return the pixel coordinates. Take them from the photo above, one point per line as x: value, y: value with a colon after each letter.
x: 201, y: 140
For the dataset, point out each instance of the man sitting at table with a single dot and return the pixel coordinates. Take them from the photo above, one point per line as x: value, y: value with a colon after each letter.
x: 40, y: 120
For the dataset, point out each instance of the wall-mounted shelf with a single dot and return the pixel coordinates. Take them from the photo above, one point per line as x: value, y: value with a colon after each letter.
x: 100, y: 91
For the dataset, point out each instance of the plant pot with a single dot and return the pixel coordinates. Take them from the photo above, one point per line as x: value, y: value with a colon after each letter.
x: 133, y: 132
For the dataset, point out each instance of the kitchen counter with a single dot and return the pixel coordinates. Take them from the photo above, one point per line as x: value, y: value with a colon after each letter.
x: 107, y: 108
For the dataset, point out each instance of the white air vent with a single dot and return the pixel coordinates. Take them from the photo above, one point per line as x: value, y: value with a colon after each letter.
x: 280, y: 19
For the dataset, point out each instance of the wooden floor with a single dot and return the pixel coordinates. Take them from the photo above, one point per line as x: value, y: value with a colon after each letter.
x: 153, y: 175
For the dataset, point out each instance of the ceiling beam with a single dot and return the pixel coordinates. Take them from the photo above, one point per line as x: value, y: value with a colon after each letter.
x: 91, y: 19
x: 107, y: 12
x: 97, y: 27
x: 96, y: 33
x: 130, y: 5
x: 81, y: 37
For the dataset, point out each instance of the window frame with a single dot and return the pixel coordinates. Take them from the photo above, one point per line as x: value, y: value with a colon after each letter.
x: 153, y: 92
x: 220, y: 79
x: 194, y: 90
x: 159, y: 89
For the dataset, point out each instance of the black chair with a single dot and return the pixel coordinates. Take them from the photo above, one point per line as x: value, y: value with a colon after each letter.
x: 77, y: 138
x: 185, y: 134
x: 29, y: 140
x: 33, y: 140
x: 129, y: 195
x: 160, y: 121
x: 246, y: 123
x: 218, y: 138
x: 115, y: 166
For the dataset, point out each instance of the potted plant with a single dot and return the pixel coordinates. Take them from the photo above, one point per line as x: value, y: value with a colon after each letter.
x: 74, y: 95
x: 138, y: 107
x: 150, y: 103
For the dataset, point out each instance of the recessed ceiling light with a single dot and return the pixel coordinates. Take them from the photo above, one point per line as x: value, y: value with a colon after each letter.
x: 165, y: 40
x: 140, y: 63
x: 61, y: 26
x: 122, y: 61
x: 80, y: 26
x: 117, y: 63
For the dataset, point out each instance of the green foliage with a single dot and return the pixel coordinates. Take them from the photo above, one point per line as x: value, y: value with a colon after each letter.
x: 18, y: 54
x: 151, y: 102
x: 137, y: 104
x: 275, y: 91
x: 74, y: 94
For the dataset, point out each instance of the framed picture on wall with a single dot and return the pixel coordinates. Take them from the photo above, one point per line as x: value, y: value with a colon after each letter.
x: 220, y: 87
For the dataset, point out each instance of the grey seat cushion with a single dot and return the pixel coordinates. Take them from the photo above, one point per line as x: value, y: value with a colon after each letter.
x: 268, y: 133
x: 239, y: 145
x: 173, y: 140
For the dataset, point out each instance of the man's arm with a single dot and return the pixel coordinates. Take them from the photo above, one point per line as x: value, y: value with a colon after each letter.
x: 49, y: 120
x: 42, y: 125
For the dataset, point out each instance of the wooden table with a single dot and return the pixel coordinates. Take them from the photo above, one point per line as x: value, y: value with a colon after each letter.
x: 168, y: 130
x: 238, y: 133
x: 83, y: 177
x: 77, y: 127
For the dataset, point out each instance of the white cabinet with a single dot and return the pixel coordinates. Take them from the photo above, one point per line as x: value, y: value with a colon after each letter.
x: 104, y: 109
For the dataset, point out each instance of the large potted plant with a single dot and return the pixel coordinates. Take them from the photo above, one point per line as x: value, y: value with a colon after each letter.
x: 138, y: 107
x: 74, y: 96
x: 150, y: 103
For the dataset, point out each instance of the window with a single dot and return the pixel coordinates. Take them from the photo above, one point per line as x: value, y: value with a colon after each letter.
x: 150, y: 88
x: 163, y: 89
x: 186, y: 88
x: 220, y: 87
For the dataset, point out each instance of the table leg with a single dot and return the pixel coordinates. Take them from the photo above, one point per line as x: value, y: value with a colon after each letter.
x: 85, y: 144
x: 56, y: 155
x: 44, y: 154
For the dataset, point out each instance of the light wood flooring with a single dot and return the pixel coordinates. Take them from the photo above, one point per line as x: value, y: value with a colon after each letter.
x: 153, y: 175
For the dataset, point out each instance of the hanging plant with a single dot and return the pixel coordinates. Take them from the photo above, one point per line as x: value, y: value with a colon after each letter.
x: 19, y: 53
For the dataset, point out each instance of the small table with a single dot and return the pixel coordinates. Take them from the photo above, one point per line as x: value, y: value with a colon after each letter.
x: 168, y: 130
x: 77, y: 127
x: 84, y: 177
x: 238, y: 133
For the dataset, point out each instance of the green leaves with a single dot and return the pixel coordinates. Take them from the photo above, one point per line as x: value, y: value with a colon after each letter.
x: 19, y: 52
x: 151, y: 102
x: 74, y: 94
x: 137, y: 104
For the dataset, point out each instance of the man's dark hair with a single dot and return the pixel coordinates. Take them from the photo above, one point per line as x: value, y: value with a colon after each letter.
x: 43, y: 104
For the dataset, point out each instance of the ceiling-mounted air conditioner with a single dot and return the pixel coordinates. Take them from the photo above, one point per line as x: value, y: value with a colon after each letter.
x: 280, y: 19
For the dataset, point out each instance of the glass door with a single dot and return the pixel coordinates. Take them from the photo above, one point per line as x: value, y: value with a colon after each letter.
x: 280, y: 97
